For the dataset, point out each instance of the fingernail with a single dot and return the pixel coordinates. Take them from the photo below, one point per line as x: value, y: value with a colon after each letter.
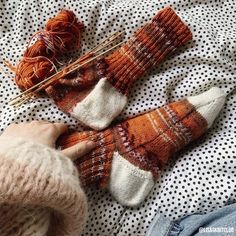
x: 91, y: 144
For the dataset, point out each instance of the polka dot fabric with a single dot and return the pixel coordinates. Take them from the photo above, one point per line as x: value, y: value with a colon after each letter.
x: 202, y: 177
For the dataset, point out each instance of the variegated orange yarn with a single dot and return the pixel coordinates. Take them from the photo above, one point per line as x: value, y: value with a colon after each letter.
x: 147, y: 141
x: 60, y: 34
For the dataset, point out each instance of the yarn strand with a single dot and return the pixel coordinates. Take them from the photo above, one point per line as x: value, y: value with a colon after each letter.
x: 40, y: 59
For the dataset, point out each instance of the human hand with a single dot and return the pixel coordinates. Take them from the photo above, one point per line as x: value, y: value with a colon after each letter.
x: 47, y: 133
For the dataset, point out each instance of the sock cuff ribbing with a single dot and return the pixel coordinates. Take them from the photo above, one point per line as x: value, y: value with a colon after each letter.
x: 148, y: 46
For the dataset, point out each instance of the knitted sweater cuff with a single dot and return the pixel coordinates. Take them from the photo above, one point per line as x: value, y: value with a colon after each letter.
x: 32, y: 174
x: 148, y: 47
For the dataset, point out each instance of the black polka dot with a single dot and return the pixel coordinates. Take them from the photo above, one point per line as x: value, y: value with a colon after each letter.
x: 200, y: 178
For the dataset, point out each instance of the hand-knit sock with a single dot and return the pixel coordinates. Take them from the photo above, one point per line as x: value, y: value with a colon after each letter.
x: 131, y: 154
x: 73, y: 88
x: 149, y: 46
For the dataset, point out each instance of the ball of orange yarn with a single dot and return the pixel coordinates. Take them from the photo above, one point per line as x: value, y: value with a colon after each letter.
x: 39, y: 48
x: 66, y: 28
x: 33, y: 70
x: 61, y: 33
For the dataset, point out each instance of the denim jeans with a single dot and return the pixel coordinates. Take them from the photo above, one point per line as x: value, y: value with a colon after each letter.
x: 219, y: 222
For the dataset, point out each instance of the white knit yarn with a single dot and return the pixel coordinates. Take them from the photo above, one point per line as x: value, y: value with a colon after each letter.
x: 128, y: 184
x: 209, y: 103
x: 111, y: 103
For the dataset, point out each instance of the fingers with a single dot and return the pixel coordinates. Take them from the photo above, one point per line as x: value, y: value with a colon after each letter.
x: 60, y: 128
x: 79, y: 149
x: 51, y: 131
x: 55, y: 129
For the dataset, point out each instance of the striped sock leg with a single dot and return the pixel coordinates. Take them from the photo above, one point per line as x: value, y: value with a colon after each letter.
x: 147, y: 48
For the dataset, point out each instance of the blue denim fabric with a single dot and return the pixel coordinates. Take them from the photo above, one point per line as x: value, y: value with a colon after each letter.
x: 217, y: 223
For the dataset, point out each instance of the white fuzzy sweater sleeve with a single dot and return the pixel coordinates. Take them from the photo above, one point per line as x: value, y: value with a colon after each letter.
x: 40, y: 192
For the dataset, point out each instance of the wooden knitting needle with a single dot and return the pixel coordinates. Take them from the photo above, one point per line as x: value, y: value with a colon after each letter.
x: 110, y: 40
x: 99, y: 47
x: 55, y: 77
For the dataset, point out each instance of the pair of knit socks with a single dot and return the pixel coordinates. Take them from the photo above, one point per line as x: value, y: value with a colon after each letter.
x: 130, y: 155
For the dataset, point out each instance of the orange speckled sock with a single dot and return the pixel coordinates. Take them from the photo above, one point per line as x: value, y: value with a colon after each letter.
x: 106, y: 97
x: 131, y: 154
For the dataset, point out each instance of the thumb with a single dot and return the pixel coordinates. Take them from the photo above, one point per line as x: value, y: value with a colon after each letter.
x: 79, y: 149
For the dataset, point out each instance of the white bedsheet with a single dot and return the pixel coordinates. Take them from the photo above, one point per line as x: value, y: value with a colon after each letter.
x: 203, y: 176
